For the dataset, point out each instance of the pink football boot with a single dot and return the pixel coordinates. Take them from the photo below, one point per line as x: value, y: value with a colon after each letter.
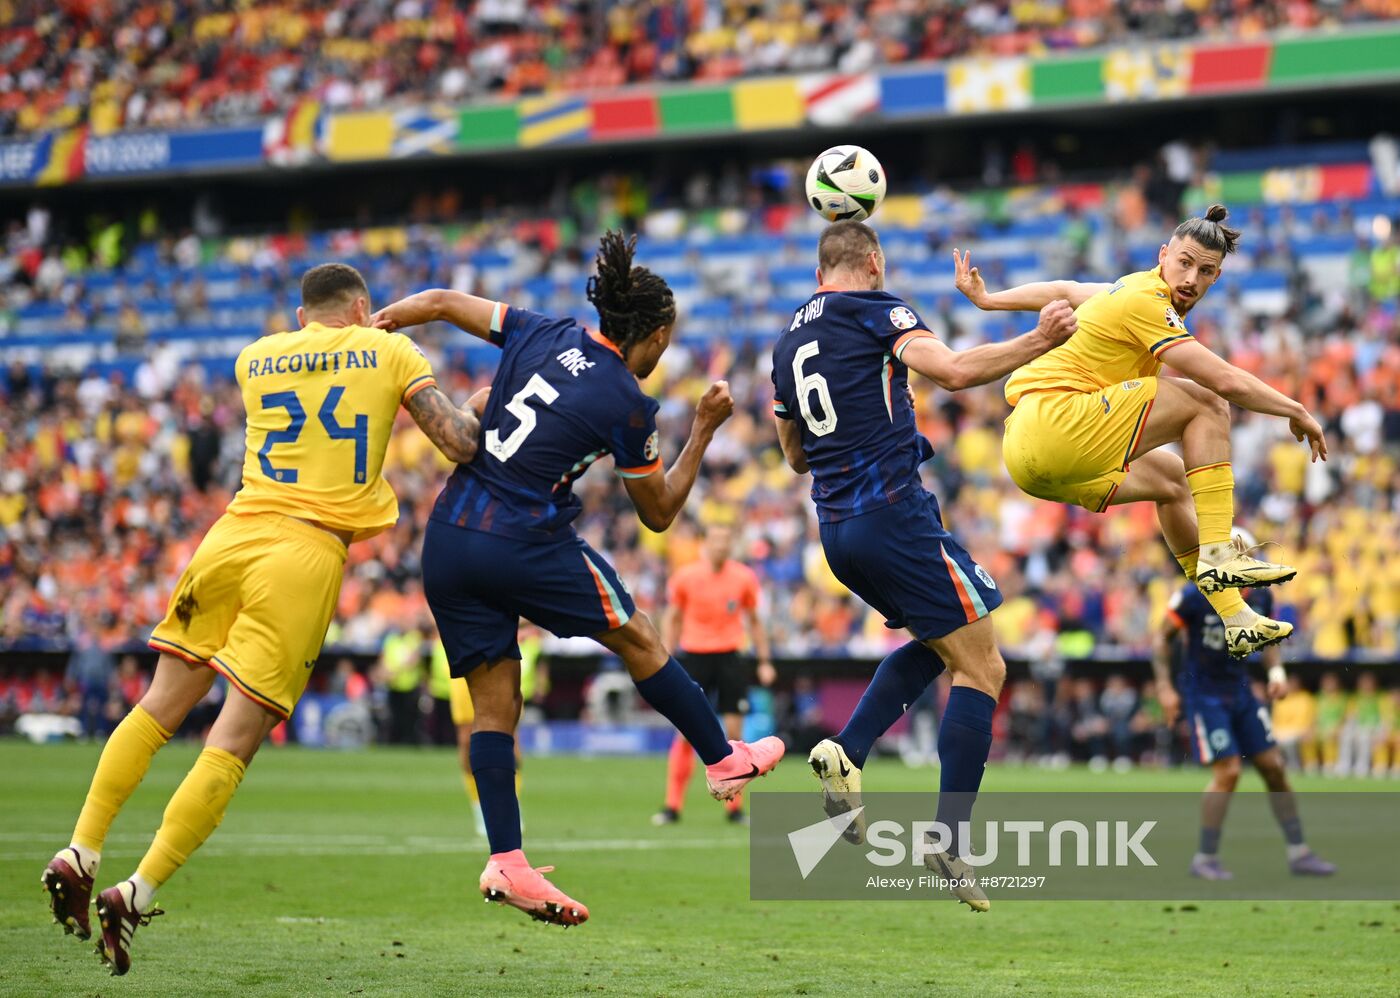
x: 509, y: 879
x: 747, y: 762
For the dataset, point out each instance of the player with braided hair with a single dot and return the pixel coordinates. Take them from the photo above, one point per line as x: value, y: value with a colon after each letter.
x: 633, y: 303
x: 500, y: 543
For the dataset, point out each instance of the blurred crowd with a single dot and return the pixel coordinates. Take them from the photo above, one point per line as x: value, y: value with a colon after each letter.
x: 131, y: 63
x: 109, y: 476
x: 1053, y: 718
x: 1333, y: 730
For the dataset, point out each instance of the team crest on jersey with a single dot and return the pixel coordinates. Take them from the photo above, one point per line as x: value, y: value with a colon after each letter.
x: 985, y: 576
x: 1174, y: 320
x: 653, y: 448
x: 1219, y: 739
x: 1131, y: 385
x: 902, y: 318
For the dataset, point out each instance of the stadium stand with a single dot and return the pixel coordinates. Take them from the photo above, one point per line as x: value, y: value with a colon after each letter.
x: 129, y: 63
x: 97, y: 513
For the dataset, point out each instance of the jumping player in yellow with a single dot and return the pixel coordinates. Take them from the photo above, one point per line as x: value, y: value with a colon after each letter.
x: 255, y: 601
x: 1090, y: 415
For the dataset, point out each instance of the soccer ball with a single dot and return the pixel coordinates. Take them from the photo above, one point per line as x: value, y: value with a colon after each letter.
x: 845, y: 182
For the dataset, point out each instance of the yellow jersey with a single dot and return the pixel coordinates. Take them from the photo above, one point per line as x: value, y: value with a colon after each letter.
x: 321, y: 404
x: 1122, y: 335
x: 1294, y: 713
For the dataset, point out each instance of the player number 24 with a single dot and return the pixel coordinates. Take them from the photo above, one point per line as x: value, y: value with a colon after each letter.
x: 357, y: 431
x: 809, y: 383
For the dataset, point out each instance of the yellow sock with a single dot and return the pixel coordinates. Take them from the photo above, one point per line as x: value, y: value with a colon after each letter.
x: 192, y: 814
x: 125, y: 759
x: 1225, y: 603
x: 1213, y: 489
x: 470, y: 782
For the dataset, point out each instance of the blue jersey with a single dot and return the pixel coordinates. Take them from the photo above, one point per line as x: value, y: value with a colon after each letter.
x: 1207, y: 668
x: 837, y: 370
x: 562, y: 398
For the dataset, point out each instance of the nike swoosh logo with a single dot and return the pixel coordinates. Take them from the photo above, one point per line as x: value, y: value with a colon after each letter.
x: 743, y: 776
x: 842, y: 763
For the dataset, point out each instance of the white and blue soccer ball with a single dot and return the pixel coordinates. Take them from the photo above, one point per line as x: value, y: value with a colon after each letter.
x: 845, y: 182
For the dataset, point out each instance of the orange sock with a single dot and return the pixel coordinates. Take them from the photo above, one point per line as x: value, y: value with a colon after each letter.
x: 680, y: 763
x: 735, y: 803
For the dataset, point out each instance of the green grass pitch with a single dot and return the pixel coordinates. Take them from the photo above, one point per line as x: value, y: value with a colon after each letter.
x: 349, y: 874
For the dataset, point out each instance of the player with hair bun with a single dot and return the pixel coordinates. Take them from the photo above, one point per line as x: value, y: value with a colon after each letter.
x: 1090, y: 417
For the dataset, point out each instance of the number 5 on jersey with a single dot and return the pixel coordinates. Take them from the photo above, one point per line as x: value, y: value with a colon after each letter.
x: 809, y: 383
x: 519, y: 407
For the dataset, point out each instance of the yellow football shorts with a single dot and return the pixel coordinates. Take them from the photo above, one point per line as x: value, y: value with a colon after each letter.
x: 254, y: 604
x: 1073, y: 447
x: 462, y: 710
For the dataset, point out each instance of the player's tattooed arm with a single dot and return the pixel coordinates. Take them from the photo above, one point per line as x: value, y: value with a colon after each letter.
x: 1022, y: 298
x: 1167, y: 696
x: 456, y: 432
x: 660, y: 496
x: 954, y: 370
x: 467, y: 312
x: 790, y: 439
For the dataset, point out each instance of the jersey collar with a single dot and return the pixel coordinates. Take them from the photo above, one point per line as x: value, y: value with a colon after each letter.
x: 601, y: 339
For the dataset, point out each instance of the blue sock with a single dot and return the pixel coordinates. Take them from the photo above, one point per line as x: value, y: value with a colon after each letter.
x: 493, y: 765
x: 680, y: 700
x: 1210, y: 841
x: 901, y: 678
x: 964, y: 739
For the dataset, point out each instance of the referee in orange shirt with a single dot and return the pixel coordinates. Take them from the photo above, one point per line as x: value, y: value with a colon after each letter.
x: 711, y: 603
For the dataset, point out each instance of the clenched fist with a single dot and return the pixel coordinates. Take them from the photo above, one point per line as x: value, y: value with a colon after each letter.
x: 1057, y: 322
x: 715, y: 407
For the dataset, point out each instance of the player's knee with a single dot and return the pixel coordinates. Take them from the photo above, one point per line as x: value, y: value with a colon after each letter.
x: 1271, y: 770
x: 986, y: 672
x: 1215, y: 408
x: 1176, y: 491
x: 995, y: 671
x: 1227, y: 772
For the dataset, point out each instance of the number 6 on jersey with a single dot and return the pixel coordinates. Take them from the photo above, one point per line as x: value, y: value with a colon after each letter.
x: 809, y: 383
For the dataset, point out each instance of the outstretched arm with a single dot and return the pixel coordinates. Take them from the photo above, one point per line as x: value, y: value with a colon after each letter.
x: 1209, y: 370
x: 660, y: 496
x: 453, y: 431
x: 954, y: 370
x: 1024, y: 297
x: 467, y: 312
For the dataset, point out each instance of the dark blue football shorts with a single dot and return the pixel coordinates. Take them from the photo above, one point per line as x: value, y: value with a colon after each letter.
x: 479, y: 585
x: 901, y: 561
